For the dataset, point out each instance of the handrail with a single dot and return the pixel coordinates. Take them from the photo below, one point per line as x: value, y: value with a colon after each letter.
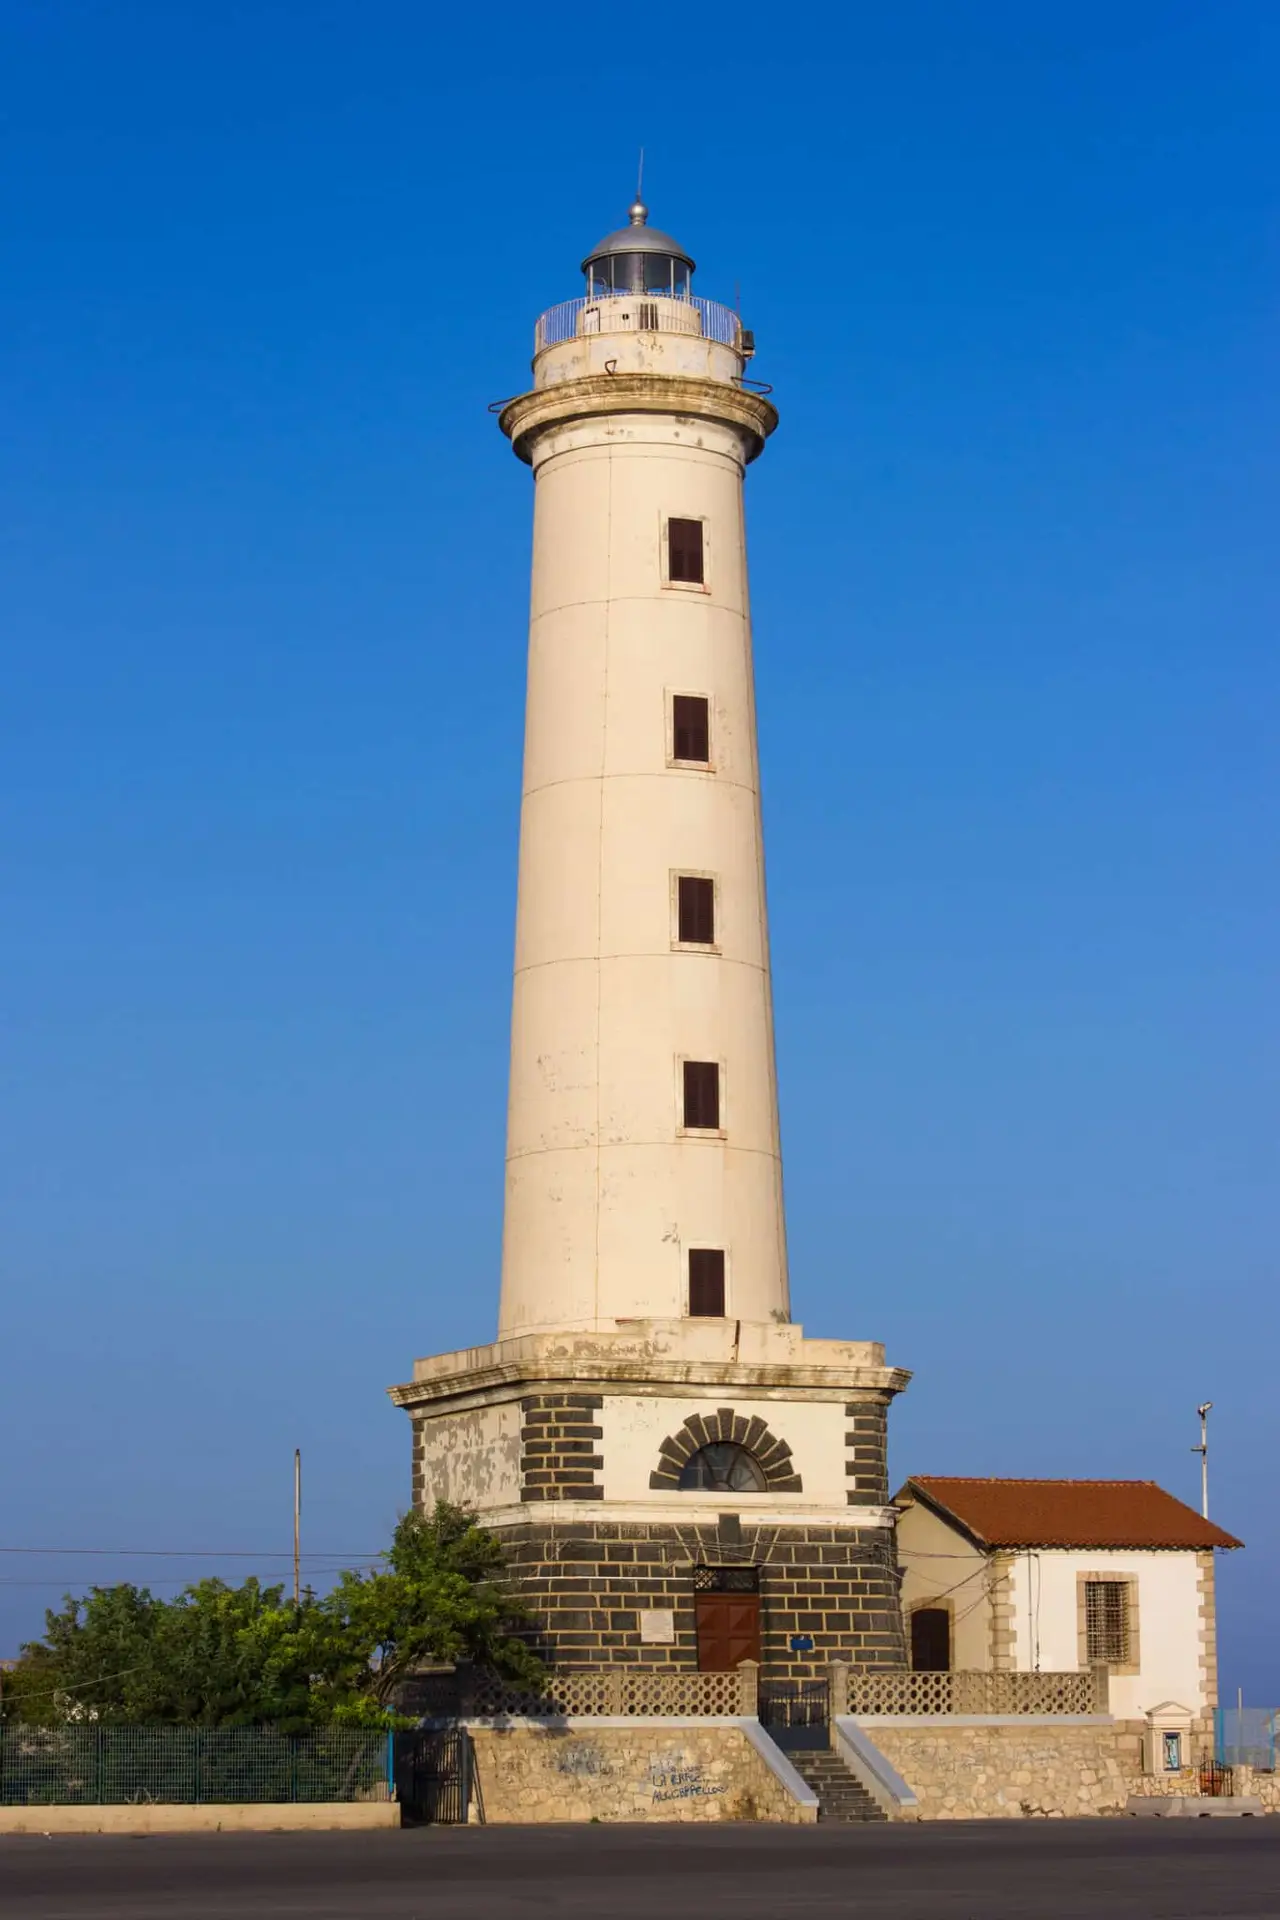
x: 560, y: 323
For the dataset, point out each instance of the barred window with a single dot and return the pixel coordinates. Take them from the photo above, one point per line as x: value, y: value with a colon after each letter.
x: 1106, y: 1621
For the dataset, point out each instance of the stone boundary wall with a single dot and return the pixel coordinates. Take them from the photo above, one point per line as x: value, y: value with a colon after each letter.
x: 1250, y: 1783
x: 536, y: 1775
x: 1012, y: 1770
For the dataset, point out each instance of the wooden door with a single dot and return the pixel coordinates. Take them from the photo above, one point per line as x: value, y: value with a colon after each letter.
x: 728, y: 1630
x: 931, y: 1640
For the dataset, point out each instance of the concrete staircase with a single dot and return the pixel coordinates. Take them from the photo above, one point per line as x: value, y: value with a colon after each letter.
x: 841, y: 1796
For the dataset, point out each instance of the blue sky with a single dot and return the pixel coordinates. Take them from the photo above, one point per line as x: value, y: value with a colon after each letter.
x: 1013, y: 275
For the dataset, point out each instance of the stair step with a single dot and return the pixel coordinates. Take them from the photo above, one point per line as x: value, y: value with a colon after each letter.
x: 842, y: 1798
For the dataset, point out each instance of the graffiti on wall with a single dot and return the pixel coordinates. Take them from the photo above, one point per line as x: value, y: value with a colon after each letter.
x: 672, y: 1777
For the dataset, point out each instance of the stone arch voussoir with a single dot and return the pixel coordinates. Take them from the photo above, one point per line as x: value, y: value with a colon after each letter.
x: 705, y: 1429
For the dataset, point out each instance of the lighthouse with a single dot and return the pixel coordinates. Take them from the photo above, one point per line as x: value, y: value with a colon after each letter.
x: 679, y: 1476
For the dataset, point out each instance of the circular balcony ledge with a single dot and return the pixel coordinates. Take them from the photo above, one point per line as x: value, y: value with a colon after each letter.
x: 531, y: 414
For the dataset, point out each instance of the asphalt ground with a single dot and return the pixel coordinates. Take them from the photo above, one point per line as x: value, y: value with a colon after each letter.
x: 987, y: 1870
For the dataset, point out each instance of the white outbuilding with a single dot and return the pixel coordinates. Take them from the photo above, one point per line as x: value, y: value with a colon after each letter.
x: 1032, y: 1576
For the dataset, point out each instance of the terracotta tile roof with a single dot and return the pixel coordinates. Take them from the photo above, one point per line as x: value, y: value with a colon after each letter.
x: 1067, y: 1513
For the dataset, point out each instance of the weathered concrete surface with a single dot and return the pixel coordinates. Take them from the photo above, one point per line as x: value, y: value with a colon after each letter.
x: 1188, y: 1806
x: 350, y: 1816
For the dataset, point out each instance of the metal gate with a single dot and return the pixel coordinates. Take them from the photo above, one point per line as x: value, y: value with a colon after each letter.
x: 434, y: 1774
x: 1216, y: 1782
x: 796, y: 1713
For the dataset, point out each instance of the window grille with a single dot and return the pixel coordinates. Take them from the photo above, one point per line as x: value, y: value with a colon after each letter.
x: 726, y: 1579
x: 1106, y: 1613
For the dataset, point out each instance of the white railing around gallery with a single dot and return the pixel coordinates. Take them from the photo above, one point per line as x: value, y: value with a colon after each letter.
x: 572, y: 318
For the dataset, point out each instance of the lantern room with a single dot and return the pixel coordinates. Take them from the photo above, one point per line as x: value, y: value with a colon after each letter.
x: 638, y: 259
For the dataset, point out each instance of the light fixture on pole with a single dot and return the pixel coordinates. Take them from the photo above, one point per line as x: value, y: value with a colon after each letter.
x: 1203, y: 1451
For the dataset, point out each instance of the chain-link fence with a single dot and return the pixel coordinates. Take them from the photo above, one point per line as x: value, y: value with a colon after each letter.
x: 141, y: 1766
x: 1246, y: 1737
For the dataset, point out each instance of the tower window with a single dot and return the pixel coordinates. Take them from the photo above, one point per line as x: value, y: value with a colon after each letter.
x: 702, y: 1094
x: 706, y: 1282
x: 684, y: 552
x: 695, y: 910
x: 691, y: 728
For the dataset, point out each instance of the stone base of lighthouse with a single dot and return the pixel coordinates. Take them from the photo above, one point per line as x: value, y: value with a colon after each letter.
x: 577, y: 1450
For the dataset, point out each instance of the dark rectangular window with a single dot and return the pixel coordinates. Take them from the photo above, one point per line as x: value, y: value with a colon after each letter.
x: 692, y: 729
x: 1106, y: 1619
x: 706, y: 1281
x: 701, y: 1093
x: 696, y: 910
x: 684, y: 551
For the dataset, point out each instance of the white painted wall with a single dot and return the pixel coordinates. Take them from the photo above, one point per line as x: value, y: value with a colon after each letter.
x: 1044, y: 1593
x: 472, y: 1459
x: 604, y: 1193
x: 634, y: 1429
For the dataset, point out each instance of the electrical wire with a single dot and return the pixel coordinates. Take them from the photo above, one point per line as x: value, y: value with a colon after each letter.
x: 194, y: 1553
x: 47, y: 1693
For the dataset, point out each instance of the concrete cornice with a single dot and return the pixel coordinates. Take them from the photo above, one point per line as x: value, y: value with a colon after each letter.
x: 648, y: 1376
x: 690, y: 1510
x: 531, y: 414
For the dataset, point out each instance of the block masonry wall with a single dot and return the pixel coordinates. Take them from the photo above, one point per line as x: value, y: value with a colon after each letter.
x: 867, y: 1453
x: 559, y: 1447
x: 587, y: 1582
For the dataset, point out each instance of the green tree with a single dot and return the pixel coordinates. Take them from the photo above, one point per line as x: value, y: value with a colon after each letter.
x: 223, y: 1656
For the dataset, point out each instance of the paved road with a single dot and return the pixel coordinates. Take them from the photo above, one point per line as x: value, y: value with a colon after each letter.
x: 1055, y: 1870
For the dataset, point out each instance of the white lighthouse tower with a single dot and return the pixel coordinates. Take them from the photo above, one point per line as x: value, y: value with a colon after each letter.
x: 650, y: 1433
x: 644, y: 1178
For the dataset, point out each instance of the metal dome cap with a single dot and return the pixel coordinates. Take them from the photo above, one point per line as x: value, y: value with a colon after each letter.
x: 639, y: 237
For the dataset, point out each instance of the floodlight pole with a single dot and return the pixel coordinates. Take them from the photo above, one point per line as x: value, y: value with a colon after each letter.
x: 1203, y: 1451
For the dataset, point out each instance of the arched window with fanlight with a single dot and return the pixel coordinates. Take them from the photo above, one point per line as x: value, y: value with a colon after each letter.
x: 723, y: 1468
x: 725, y: 1452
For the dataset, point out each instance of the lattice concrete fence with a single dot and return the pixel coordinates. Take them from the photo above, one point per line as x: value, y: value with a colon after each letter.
x: 943, y: 1695
x: 616, y: 1692
x: 622, y: 1692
